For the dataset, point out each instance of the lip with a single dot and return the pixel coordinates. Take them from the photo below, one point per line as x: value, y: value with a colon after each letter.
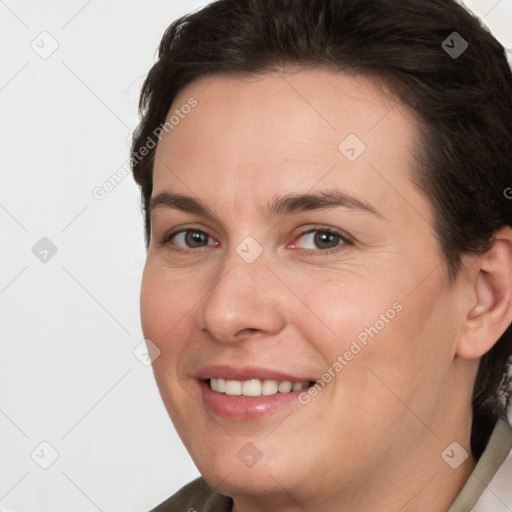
x: 246, y: 408
x: 243, y: 373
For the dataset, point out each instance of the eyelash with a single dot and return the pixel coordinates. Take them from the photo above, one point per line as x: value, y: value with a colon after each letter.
x: 345, y: 240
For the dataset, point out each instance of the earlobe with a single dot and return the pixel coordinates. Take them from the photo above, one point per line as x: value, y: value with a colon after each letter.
x: 490, y: 313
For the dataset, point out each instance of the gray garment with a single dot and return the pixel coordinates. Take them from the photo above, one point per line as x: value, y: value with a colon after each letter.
x: 488, y: 488
x: 196, y: 496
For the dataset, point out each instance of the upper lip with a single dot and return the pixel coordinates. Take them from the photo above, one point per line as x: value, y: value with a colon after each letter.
x: 243, y: 373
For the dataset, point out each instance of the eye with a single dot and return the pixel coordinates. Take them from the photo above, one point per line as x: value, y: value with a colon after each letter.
x: 320, y: 239
x: 189, y: 239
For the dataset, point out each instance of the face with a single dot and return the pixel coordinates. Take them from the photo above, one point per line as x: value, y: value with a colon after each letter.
x: 289, y: 245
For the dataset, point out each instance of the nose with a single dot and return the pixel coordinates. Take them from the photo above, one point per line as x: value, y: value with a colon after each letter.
x: 244, y: 300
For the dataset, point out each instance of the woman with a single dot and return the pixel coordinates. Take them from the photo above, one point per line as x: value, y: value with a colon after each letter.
x: 328, y: 276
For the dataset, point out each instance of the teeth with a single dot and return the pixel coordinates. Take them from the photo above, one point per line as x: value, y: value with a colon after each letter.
x: 221, y: 385
x: 269, y: 387
x: 255, y: 387
x: 285, y: 386
x: 233, y: 387
x: 251, y: 387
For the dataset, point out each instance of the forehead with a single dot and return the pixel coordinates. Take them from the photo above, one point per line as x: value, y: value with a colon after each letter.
x: 287, y: 131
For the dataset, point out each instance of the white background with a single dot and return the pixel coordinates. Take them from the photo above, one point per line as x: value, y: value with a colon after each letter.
x: 68, y: 326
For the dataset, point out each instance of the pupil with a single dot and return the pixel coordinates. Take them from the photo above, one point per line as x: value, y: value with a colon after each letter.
x: 195, y: 239
x: 326, y: 238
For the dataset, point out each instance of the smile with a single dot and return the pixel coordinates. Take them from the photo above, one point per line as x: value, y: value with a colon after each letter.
x: 255, y: 387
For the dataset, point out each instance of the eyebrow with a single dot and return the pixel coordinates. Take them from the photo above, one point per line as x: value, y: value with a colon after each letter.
x: 297, y: 203
x: 284, y: 205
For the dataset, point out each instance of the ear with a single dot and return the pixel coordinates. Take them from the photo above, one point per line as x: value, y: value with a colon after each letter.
x: 490, y: 310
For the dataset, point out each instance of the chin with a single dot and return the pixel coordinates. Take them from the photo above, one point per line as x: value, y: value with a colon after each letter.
x: 238, y: 467
x: 255, y: 481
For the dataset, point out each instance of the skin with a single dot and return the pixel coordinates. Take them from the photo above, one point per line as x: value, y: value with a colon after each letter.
x: 372, y: 438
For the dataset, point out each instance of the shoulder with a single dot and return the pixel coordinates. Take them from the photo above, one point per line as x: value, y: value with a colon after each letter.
x: 196, y: 496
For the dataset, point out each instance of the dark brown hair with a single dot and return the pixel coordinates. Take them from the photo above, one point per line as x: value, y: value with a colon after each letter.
x: 463, y: 104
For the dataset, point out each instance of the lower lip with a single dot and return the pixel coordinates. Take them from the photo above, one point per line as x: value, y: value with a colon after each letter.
x: 246, y: 407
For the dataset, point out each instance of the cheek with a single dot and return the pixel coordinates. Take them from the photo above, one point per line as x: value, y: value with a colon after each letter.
x: 366, y: 329
x: 152, y: 304
x: 165, y: 317
x: 345, y: 308
x: 165, y: 302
